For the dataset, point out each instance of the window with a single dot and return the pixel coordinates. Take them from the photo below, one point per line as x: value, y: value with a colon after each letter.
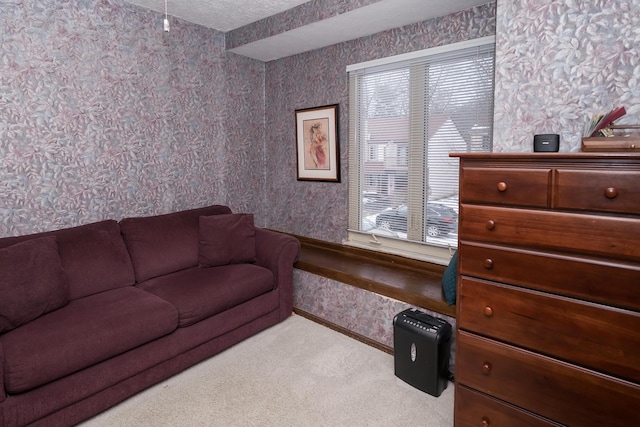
x: 403, y: 155
x: 376, y: 153
x: 407, y: 113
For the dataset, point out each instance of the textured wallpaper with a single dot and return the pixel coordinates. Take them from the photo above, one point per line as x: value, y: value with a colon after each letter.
x: 316, y: 78
x: 104, y: 115
x: 244, y: 160
x: 560, y: 61
x: 319, y: 209
x: 557, y: 62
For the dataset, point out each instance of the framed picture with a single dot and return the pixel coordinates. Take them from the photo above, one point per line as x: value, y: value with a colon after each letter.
x: 317, y: 147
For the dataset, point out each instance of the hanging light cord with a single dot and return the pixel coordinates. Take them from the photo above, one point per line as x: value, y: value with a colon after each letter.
x: 166, y: 17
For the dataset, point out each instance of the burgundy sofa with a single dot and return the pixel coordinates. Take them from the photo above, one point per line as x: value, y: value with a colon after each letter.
x: 93, y: 314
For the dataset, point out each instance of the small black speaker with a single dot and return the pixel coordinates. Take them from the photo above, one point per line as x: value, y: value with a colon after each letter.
x: 548, y: 142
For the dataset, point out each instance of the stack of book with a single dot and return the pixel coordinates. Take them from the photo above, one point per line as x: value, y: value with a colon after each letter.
x: 600, y: 133
x: 599, y: 123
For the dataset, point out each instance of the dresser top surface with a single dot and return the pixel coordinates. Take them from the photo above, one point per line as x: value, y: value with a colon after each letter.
x: 549, y: 156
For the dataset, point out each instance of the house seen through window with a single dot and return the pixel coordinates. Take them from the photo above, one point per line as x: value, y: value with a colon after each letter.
x: 407, y: 113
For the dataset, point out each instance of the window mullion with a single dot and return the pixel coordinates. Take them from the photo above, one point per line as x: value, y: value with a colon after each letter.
x: 416, y: 164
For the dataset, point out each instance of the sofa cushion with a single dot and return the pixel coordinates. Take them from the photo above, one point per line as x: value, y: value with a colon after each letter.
x: 84, y: 332
x: 163, y: 244
x: 93, y: 256
x: 198, y: 293
x: 32, y: 281
x: 449, y: 279
x: 226, y: 239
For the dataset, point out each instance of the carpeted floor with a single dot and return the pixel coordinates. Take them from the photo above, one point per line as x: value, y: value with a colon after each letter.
x: 297, y: 373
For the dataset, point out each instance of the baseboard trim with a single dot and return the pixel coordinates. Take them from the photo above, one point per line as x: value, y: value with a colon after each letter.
x: 344, y: 331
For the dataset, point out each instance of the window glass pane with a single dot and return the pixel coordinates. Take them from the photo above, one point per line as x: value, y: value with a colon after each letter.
x: 405, y: 119
x: 459, y: 118
x: 383, y: 123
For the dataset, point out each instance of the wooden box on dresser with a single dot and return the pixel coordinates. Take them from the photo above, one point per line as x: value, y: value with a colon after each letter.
x: 548, y: 297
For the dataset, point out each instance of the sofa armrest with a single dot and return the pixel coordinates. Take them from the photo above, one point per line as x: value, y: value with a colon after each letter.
x: 278, y: 252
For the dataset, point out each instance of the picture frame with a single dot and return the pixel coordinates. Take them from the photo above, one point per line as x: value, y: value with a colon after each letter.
x: 317, y: 145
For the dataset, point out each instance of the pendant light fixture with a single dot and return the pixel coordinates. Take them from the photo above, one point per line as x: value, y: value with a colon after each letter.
x: 166, y: 17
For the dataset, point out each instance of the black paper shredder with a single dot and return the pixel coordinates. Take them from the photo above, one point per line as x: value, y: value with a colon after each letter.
x: 421, y: 345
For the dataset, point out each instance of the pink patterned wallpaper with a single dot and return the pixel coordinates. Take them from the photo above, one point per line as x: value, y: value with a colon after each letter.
x: 319, y: 77
x: 104, y: 115
x: 558, y: 62
x: 317, y: 209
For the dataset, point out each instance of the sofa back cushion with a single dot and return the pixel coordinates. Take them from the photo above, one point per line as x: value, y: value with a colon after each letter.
x: 163, y: 244
x: 93, y: 257
x: 32, y: 281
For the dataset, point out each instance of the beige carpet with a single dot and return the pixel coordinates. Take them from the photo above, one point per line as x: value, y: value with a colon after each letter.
x: 297, y: 373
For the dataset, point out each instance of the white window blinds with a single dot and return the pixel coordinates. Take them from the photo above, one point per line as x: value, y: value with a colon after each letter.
x: 407, y: 114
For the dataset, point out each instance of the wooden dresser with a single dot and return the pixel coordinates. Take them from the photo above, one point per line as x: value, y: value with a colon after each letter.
x: 548, y: 308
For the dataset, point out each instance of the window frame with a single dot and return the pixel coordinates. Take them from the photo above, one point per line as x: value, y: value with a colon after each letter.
x: 420, y: 250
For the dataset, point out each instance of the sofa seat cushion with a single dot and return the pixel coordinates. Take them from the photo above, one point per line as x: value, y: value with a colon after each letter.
x: 199, y: 293
x: 84, y: 332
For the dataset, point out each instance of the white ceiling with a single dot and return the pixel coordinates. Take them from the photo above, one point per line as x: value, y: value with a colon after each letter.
x: 227, y: 15
x: 221, y: 15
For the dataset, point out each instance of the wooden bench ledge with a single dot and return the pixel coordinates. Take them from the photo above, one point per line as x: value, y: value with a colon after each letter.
x: 415, y: 282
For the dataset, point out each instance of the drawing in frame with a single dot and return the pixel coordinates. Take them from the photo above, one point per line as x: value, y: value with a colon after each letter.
x: 317, y: 148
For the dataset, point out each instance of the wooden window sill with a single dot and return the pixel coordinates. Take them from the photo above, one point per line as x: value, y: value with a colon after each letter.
x: 415, y: 282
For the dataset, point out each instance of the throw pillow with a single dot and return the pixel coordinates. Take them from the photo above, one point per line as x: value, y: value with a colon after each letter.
x: 449, y: 280
x: 32, y: 281
x: 226, y: 239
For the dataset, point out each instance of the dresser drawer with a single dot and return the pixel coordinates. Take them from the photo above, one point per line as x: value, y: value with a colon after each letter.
x: 473, y: 409
x: 525, y: 187
x: 610, y: 236
x: 592, y: 335
x: 590, y: 279
x: 598, y: 190
x: 556, y: 390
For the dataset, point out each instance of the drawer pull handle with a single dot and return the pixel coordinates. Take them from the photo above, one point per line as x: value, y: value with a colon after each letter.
x: 488, y: 311
x: 502, y: 186
x: 491, y: 224
x: 486, y: 422
x: 611, y: 193
x: 488, y: 263
x: 486, y: 368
